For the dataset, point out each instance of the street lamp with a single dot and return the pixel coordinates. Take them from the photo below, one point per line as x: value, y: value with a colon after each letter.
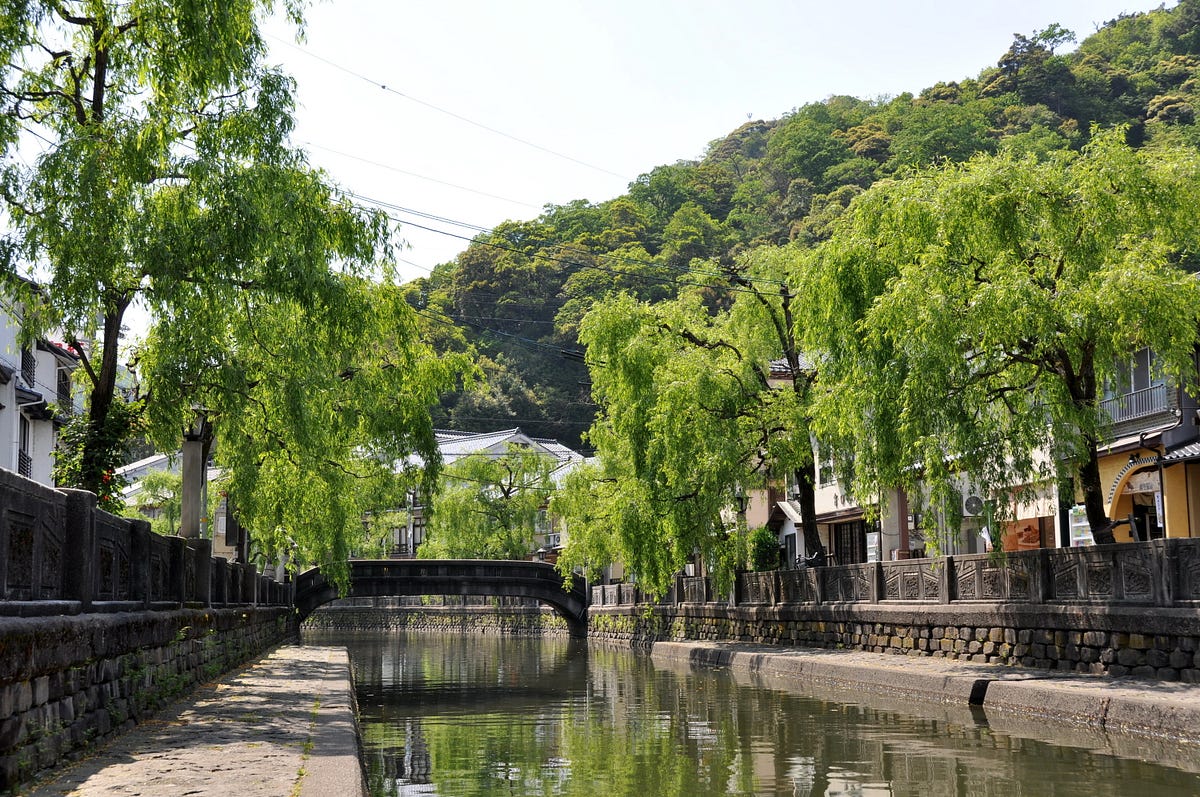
x: 196, y: 436
x: 742, y: 500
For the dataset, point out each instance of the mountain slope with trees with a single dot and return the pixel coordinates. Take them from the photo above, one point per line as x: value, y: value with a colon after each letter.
x: 516, y: 297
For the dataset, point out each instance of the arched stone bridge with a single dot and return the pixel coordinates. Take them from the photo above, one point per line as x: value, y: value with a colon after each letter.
x: 385, y: 577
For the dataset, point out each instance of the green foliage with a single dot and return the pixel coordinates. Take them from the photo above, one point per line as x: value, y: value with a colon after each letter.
x: 161, y: 493
x: 970, y: 317
x: 487, y: 506
x: 764, y: 549
x: 688, y: 410
x: 90, y: 451
x: 771, y: 182
x: 171, y: 181
x: 317, y: 408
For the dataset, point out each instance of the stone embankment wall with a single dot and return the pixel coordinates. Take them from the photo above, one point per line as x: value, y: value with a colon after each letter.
x: 1149, y: 642
x: 69, y: 682
x: 385, y: 615
x: 101, y: 621
x: 1122, y: 609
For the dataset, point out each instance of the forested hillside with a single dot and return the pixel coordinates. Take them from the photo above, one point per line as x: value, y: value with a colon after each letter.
x: 516, y: 296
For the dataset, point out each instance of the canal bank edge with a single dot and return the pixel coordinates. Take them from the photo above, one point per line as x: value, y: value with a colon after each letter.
x: 286, y: 724
x: 1152, y: 709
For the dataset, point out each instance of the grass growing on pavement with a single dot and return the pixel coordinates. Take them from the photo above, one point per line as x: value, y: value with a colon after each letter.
x: 308, y: 748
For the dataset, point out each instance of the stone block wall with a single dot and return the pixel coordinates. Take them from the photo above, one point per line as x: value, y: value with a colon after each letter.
x: 382, y: 615
x: 69, y: 682
x: 1148, y: 642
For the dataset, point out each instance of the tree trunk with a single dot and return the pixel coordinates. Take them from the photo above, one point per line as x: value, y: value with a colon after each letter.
x: 806, y: 480
x: 98, y: 448
x: 806, y: 476
x: 1093, y: 498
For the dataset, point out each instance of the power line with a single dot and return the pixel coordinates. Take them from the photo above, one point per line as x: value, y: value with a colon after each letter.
x: 420, y: 176
x: 547, y: 421
x: 529, y: 343
x: 414, y: 265
x: 467, y: 319
x: 441, y: 110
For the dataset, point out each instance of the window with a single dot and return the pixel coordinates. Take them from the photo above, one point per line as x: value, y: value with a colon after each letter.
x: 28, y: 366
x: 24, y: 458
x: 418, y: 529
x: 825, y: 473
x: 1141, y: 372
x: 65, y: 403
x: 850, y: 542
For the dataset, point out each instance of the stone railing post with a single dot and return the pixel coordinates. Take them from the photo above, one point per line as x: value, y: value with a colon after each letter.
x: 80, y: 559
x: 1039, y: 591
x: 875, y: 582
x: 220, y: 581
x: 1160, y: 572
x: 739, y: 579
x: 139, y: 562
x: 177, y: 580
x: 250, y: 583
x: 203, y: 550
x: 948, y: 580
x: 237, y: 575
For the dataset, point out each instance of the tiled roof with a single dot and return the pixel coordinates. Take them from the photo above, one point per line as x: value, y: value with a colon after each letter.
x: 457, y: 444
x: 1190, y: 451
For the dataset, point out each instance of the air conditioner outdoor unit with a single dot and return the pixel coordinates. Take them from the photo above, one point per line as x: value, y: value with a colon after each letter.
x: 972, y: 506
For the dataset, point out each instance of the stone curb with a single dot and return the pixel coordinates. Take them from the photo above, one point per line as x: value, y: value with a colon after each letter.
x: 1125, y: 706
x: 334, y: 766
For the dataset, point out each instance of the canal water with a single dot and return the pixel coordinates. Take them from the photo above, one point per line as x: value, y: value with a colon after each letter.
x: 460, y: 716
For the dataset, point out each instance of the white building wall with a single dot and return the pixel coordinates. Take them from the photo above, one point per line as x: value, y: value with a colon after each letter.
x: 10, y: 358
x: 42, y: 434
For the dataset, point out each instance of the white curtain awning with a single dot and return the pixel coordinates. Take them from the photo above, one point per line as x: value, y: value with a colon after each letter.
x: 792, y: 510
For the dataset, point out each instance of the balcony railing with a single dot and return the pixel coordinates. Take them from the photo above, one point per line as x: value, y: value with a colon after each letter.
x: 25, y: 464
x: 1137, y: 404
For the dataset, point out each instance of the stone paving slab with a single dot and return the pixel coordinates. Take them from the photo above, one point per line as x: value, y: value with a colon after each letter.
x: 1153, y: 709
x: 284, y: 726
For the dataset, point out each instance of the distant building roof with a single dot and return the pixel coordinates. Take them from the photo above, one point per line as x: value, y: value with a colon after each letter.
x: 455, y: 445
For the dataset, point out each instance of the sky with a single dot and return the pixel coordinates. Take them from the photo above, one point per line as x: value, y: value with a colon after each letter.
x: 465, y: 112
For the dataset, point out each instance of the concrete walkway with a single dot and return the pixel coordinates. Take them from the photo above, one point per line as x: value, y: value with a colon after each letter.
x: 1147, y: 709
x: 284, y: 726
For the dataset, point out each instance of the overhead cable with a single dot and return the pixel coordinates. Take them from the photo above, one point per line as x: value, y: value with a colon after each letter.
x: 441, y: 110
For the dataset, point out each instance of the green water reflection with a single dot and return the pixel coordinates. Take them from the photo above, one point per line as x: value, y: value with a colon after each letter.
x: 463, y: 716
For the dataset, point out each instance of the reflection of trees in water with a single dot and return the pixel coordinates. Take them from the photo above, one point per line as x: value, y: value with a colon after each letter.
x: 544, y: 719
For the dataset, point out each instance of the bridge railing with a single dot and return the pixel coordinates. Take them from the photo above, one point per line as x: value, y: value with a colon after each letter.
x: 60, y: 554
x: 1162, y: 573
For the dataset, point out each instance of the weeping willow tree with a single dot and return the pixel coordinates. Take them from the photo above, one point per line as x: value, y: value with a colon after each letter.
x: 157, y: 170
x: 488, y: 505
x: 317, y: 411
x: 971, y: 316
x: 691, y: 410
